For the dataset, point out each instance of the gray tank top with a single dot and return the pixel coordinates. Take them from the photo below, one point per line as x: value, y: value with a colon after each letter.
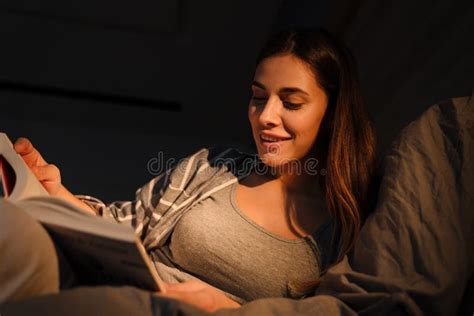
x: 216, y: 242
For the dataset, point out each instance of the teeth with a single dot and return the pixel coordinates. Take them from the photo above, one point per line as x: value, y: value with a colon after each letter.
x: 271, y: 138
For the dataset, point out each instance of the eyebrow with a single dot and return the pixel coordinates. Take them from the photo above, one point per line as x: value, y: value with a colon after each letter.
x: 284, y: 90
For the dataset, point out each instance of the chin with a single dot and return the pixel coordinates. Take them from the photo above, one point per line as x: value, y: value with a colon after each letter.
x: 273, y: 160
x: 282, y: 161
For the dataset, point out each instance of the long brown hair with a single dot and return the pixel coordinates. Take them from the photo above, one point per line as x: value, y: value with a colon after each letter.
x: 346, y: 133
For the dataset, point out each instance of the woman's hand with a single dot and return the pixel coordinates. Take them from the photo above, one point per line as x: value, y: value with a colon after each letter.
x: 199, y: 294
x: 48, y: 174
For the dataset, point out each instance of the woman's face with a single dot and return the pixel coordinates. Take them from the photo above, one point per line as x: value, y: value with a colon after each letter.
x: 287, y: 103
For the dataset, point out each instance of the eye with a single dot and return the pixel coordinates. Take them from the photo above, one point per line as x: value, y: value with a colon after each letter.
x: 292, y: 106
x: 259, y: 100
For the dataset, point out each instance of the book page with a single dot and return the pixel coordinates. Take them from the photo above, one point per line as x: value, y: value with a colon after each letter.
x: 100, y: 251
x: 19, y: 182
x: 99, y: 260
x: 7, y: 177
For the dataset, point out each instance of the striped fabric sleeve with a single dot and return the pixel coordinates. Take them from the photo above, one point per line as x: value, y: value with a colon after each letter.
x: 164, y: 194
x: 160, y: 203
x: 136, y: 213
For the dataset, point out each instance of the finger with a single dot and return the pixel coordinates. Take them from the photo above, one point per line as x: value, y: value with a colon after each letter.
x: 49, y: 176
x: 28, y: 152
x: 47, y: 173
x: 188, y: 286
x: 199, y: 299
x: 23, y: 146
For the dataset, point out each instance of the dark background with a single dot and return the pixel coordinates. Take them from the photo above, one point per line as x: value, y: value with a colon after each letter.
x: 102, y: 87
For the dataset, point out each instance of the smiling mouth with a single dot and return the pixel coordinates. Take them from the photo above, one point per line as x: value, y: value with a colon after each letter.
x: 271, y: 141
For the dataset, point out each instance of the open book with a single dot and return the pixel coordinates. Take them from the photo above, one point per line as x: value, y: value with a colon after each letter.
x: 99, y: 251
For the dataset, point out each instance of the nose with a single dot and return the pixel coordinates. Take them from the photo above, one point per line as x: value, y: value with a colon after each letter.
x: 270, y: 115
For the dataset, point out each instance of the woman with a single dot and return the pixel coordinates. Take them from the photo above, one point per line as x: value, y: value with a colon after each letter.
x: 274, y: 230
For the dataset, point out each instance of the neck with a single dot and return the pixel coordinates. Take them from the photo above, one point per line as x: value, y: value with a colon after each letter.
x: 293, y: 179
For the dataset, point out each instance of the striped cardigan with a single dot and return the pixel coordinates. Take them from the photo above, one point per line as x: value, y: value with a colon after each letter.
x: 160, y: 203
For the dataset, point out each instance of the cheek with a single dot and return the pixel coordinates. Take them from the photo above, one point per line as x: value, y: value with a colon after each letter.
x: 251, y: 115
x: 306, y: 128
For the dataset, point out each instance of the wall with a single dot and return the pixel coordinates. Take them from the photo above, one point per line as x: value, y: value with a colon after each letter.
x: 103, y: 87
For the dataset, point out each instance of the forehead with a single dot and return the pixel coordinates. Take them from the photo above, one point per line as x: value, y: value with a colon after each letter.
x: 285, y: 71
